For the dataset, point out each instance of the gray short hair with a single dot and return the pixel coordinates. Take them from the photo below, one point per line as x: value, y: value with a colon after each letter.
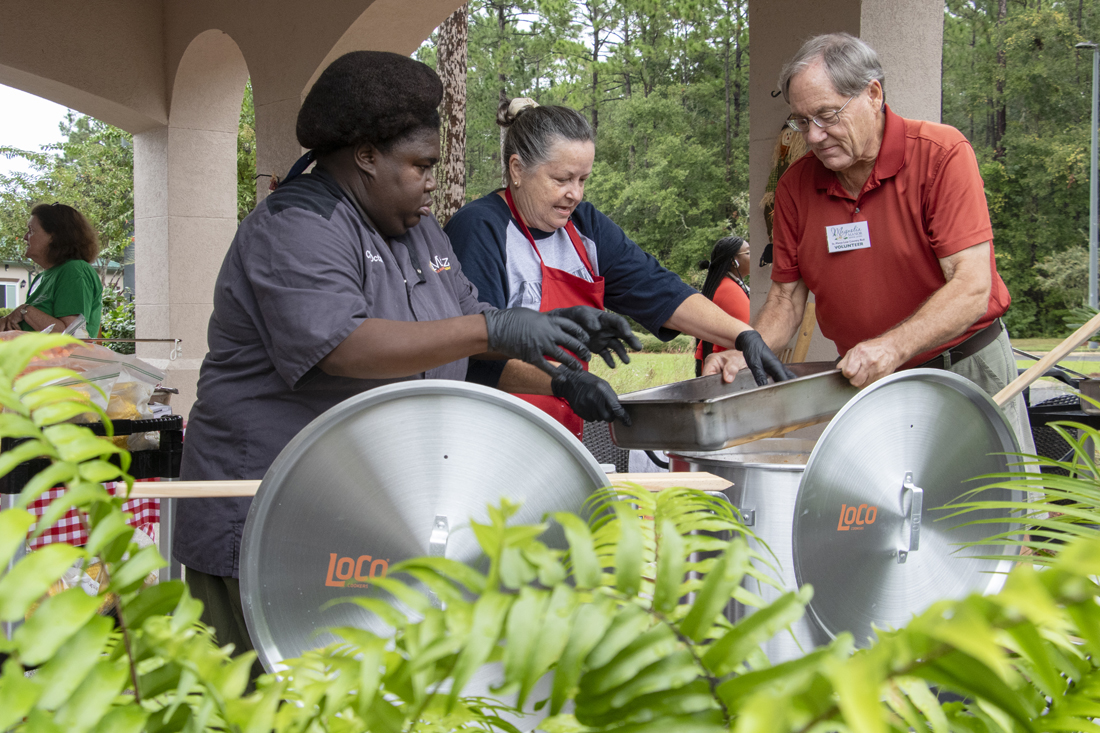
x: 531, y: 131
x: 849, y: 63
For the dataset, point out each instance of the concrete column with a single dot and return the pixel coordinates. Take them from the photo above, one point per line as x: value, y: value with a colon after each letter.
x: 185, y: 207
x: 908, y: 37
x: 276, y: 143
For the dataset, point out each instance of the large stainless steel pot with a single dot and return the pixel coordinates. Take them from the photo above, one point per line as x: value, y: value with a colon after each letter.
x: 765, y: 475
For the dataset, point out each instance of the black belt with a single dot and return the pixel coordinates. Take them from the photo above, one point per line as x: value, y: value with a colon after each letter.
x: 966, y: 349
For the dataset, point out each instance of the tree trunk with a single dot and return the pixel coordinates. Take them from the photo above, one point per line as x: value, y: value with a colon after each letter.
x: 628, y: 90
x: 502, y: 26
x: 453, y: 35
x: 595, y: 84
x: 726, y: 74
x: 1001, y: 121
x: 738, y: 57
x: 973, y: 45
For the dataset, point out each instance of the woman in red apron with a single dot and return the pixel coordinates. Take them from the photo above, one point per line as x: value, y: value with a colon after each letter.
x: 561, y: 289
x: 537, y: 244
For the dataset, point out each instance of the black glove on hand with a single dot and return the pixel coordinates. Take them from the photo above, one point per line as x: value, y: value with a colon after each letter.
x: 607, y: 331
x: 760, y: 359
x: 526, y: 334
x: 589, y: 396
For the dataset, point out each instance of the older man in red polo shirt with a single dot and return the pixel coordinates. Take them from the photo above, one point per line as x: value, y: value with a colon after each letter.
x: 886, y: 224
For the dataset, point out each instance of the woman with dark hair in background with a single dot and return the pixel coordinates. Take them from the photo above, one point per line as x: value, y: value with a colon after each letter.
x: 62, y: 242
x: 725, y: 285
x: 536, y: 244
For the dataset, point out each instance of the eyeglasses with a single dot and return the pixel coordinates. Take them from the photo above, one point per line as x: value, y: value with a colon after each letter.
x: 823, y: 120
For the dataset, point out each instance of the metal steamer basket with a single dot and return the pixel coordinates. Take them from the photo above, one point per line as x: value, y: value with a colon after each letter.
x: 404, y: 470
x: 706, y: 414
x: 766, y: 475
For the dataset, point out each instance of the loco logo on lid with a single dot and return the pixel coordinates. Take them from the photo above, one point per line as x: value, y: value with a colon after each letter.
x: 343, y: 572
x: 856, y: 517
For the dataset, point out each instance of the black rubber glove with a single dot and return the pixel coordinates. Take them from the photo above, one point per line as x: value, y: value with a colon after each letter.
x: 760, y: 359
x: 526, y: 334
x: 607, y: 331
x: 590, y: 397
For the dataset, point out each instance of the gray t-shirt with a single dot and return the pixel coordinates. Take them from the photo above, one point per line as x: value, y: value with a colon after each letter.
x: 303, y: 272
x: 525, y: 267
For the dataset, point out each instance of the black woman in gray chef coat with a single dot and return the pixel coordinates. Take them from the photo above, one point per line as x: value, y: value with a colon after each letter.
x: 338, y: 282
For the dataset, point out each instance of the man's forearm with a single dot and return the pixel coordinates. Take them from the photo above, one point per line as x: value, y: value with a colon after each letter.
x: 779, y: 319
x: 947, y: 313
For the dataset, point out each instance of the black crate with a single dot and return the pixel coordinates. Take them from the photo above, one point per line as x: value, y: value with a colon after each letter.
x: 163, y: 462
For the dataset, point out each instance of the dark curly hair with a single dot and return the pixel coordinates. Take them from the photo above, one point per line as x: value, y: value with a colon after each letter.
x: 371, y: 97
x: 71, y: 235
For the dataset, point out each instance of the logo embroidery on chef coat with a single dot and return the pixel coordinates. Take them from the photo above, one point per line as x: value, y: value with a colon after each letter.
x: 439, y: 264
x: 371, y: 257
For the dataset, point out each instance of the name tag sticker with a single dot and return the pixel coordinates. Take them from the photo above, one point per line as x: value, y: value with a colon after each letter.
x: 845, y: 237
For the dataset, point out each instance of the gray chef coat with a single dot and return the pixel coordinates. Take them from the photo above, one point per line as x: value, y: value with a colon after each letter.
x: 303, y: 272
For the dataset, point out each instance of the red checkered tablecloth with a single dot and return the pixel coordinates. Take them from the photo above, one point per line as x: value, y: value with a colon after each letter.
x: 70, y: 528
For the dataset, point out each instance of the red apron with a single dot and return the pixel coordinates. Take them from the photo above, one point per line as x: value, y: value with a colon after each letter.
x: 561, y: 289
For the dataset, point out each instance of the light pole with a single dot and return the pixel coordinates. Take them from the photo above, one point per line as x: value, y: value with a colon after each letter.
x: 1092, y: 171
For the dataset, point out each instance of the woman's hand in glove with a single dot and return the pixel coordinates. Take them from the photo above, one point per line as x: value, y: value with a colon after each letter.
x: 760, y: 359
x: 590, y: 397
x: 526, y: 334
x: 607, y: 331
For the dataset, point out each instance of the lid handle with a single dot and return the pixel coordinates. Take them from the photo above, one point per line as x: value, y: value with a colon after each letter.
x: 912, y: 519
x: 437, y: 547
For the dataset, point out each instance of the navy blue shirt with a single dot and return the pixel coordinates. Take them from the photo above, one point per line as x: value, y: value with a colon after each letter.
x: 501, y: 263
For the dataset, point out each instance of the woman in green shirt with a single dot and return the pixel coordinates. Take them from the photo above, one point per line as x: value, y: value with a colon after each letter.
x: 62, y: 242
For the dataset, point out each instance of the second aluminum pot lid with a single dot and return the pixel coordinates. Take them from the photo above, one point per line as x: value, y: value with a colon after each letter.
x: 368, y: 483
x: 914, y: 440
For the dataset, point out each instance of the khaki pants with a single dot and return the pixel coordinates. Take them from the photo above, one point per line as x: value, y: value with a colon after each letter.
x: 992, y: 368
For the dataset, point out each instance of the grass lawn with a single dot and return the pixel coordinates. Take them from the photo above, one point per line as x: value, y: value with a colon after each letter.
x: 645, y: 371
x: 1042, y: 345
x: 1085, y: 367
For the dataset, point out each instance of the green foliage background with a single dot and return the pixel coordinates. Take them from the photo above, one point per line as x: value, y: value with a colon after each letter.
x: 654, y: 77
x: 91, y: 169
x: 1036, y: 172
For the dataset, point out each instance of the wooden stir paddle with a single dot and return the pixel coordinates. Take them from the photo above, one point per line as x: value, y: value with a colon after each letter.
x: 222, y: 489
x: 1020, y: 383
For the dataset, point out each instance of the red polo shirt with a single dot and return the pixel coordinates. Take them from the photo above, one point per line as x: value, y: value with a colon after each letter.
x: 925, y: 200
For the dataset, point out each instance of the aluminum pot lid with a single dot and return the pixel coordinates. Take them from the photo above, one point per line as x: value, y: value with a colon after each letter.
x: 393, y: 473
x: 868, y: 534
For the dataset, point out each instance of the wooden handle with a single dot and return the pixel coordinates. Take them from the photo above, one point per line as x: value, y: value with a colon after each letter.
x: 1078, y: 337
x: 193, y: 489
x: 656, y: 481
x: 224, y: 489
